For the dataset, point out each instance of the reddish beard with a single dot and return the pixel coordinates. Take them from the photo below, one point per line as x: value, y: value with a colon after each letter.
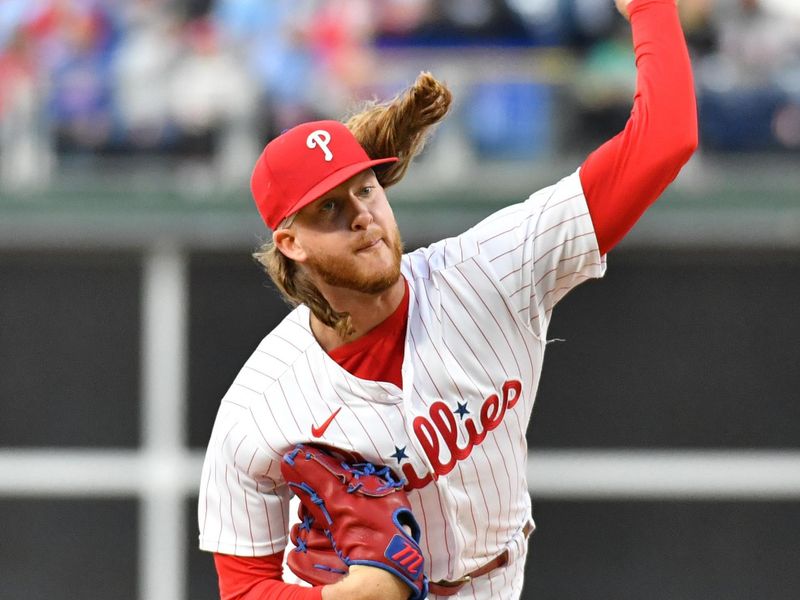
x: 341, y: 272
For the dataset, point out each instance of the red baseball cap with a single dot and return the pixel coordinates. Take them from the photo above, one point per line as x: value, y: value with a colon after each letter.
x: 304, y: 163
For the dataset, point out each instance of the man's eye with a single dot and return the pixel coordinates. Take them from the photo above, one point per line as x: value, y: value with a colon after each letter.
x: 328, y: 206
x: 367, y: 190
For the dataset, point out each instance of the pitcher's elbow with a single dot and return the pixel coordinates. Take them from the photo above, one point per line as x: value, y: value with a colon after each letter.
x: 683, y: 146
x: 691, y: 143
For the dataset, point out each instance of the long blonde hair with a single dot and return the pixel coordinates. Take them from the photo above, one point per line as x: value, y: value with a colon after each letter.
x: 398, y: 127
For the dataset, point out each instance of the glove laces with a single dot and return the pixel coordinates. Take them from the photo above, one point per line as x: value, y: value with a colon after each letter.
x: 366, y: 469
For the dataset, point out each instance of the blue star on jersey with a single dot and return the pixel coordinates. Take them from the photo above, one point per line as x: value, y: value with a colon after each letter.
x: 461, y: 410
x: 399, y: 454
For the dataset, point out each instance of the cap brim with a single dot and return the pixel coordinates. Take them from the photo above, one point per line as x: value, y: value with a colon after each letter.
x: 334, y: 179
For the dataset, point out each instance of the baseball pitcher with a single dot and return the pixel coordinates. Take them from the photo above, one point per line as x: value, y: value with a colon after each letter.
x: 393, y: 401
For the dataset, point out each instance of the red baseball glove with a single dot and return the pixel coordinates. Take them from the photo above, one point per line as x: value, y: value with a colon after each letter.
x: 313, y: 558
x: 361, y: 511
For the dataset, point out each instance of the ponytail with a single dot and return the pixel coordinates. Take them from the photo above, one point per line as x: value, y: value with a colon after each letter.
x: 401, y: 126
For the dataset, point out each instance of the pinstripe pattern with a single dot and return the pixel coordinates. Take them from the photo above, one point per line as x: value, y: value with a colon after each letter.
x: 479, y: 310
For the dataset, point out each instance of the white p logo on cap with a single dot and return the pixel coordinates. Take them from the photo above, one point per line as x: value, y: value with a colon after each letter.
x: 320, y: 139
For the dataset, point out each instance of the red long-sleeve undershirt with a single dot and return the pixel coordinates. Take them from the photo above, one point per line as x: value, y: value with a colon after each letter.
x: 258, y: 578
x: 624, y: 176
x: 620, y: 179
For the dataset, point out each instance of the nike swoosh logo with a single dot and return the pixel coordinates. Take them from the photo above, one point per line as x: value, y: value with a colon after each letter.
x: 318, y: 431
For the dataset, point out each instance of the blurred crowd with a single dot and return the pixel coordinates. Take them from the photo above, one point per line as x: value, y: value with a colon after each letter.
x: 192, y: 76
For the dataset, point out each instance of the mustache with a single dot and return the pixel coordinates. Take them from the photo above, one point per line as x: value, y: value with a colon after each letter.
x: 369, y: 238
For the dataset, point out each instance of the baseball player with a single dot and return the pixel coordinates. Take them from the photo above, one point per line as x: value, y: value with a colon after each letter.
x: 427, y: 362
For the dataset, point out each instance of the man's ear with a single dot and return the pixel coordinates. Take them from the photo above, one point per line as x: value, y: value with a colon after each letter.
x: 286, y: 241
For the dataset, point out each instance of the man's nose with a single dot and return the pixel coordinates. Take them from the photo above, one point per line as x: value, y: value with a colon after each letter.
x: 362, y: 217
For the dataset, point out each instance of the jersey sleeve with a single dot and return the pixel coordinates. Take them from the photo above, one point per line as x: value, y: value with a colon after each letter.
x: 243, y: 504
x: 537, y: 250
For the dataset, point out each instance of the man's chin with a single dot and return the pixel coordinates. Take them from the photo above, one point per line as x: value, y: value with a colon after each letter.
x: 377, y: 285
x: 366, y: 283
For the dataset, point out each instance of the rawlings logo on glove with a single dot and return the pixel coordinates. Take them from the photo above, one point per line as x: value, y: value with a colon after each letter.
x: 351, y: 514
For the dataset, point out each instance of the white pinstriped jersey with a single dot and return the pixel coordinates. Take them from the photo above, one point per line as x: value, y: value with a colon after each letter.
x: 479, y: 308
